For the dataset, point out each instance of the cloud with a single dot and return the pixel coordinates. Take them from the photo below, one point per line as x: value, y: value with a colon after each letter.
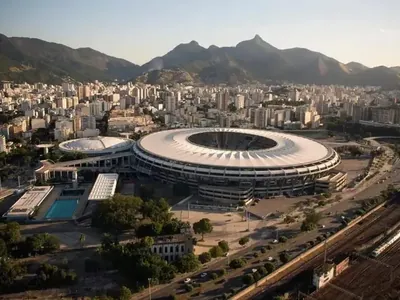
x: 382, y: 30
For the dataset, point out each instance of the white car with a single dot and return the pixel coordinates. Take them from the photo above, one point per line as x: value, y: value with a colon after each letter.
x: 203, y: 275
x: 270, y: 258
x: 275, y: 242
x: 187, y: 280
x: 254, y: 270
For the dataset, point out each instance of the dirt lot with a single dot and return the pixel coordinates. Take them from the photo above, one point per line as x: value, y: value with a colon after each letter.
x: 353, y: 167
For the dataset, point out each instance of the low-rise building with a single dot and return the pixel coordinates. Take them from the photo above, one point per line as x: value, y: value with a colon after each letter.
x: 26, y: 205
x: 172, y: 247
x: 323, y: 274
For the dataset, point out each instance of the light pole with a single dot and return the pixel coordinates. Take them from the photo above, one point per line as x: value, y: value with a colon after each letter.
x: 149, y: 279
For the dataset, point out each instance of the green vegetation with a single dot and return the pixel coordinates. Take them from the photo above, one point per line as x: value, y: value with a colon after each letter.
x: 282, y: 239
x: 248, y: 279
x: 216, y: 251
x: 243, y: 241
x: 48, y: 276
x: 311, y: 221
x: 214, y: 275
x: 187, y: 263
x: 224, y: 246
x: 11, y: 242
x: 139, y: 257
x: 202, y: 227
x: 205, y: 257
x: 125, y: 293
x: 237, y: 263
x: 284, y: 257
x: 269, y: 267
x: 9, y: 273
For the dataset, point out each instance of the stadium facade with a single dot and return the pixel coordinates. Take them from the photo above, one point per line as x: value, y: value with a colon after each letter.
x: 232, y: 164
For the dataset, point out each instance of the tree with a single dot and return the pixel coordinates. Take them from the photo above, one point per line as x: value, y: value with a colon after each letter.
x: 202, y: 227
x: 307, y: 226
x: 11, y: 233
x: 41, y: 243
x: 224, y: 246
x: 283, y: 239
x: 269, y: 267
x: 117, y: 214
x: 3, y: 248
x: 157, y: 211
x: 284, y: 257
x: 216, y: 251
x: 82, y: 239
x: 248, y: 279
x: 125, y: 293
x: 9, y: 272
x: 188, y: 263
x: 205, y: 257
x: 243, y: 241
x: 237, y: 263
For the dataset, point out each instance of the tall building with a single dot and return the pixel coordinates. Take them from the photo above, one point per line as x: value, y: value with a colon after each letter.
x: 95, y: 108
x: 222, y: 99
x: 239, y: 101
x: 88, y: 122
x: 3, y: 144
x: 170, y: 104
x: 61, y: 102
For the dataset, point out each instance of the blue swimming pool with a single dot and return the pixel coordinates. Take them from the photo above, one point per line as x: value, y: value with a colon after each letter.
x: 62, y: 209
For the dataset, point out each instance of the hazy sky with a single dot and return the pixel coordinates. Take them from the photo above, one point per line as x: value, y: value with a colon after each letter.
x: 367, y: 31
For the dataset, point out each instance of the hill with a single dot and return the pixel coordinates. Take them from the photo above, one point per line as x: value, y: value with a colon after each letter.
x: 254, y: 60
x: 33, y: 60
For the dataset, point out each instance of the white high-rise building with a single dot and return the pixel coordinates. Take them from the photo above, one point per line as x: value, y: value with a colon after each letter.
x: 88, y: 122
x: 3, y: 144
x: 239, y: 101
x: 170, y: 104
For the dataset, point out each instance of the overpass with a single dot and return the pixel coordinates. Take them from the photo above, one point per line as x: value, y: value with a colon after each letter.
x: 69, y: 169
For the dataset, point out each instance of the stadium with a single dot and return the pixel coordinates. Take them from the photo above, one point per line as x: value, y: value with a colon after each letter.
x: 231, y: 164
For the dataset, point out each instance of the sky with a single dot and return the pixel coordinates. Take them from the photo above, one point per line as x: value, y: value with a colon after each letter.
x: 366, y: 31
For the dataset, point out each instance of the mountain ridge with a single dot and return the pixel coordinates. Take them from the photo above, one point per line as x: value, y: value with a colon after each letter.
x: 253, y: 60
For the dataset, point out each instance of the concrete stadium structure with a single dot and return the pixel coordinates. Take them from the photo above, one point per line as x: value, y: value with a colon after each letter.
x: 232, y: 164
x: 94, y: 146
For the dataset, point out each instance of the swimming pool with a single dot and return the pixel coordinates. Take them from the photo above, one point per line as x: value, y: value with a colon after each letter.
x: 62, y: 209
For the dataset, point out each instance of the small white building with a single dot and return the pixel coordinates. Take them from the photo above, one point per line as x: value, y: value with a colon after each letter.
x: 323, y: 274
x: 104, y: 187
x: 26, y: 205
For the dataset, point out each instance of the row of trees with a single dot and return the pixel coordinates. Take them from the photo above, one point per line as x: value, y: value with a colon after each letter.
x: 12, y: 244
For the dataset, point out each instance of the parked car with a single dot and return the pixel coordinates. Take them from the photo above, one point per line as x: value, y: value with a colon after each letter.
x: 187, y: 280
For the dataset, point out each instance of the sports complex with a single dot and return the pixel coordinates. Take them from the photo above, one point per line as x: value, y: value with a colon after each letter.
x: 231, y: 164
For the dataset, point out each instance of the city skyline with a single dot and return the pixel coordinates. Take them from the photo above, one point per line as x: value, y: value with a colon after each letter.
x: 361, y: 31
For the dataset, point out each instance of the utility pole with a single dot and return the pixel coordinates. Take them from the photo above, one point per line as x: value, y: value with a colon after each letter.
x: 188, y: 209
x: 248, y: 220
x: 19, y: 182
x: 149, y: 279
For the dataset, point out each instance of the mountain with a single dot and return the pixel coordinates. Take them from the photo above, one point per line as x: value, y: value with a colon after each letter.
x: 355, y: 67
x: 396, y: 69
x: 33, y: 60
x: 256, y: 60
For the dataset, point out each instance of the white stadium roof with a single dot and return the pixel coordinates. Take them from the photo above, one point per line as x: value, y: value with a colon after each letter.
x: 290, y: 150
x: 104, y: 187
x: 96, y: 145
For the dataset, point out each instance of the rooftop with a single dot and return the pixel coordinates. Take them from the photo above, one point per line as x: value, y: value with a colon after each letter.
x: 27, y: 203
x: 99, y: 144
x: 104, y: 187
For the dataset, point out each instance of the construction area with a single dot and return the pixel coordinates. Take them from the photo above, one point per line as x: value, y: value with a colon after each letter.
x: 299, y: 275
